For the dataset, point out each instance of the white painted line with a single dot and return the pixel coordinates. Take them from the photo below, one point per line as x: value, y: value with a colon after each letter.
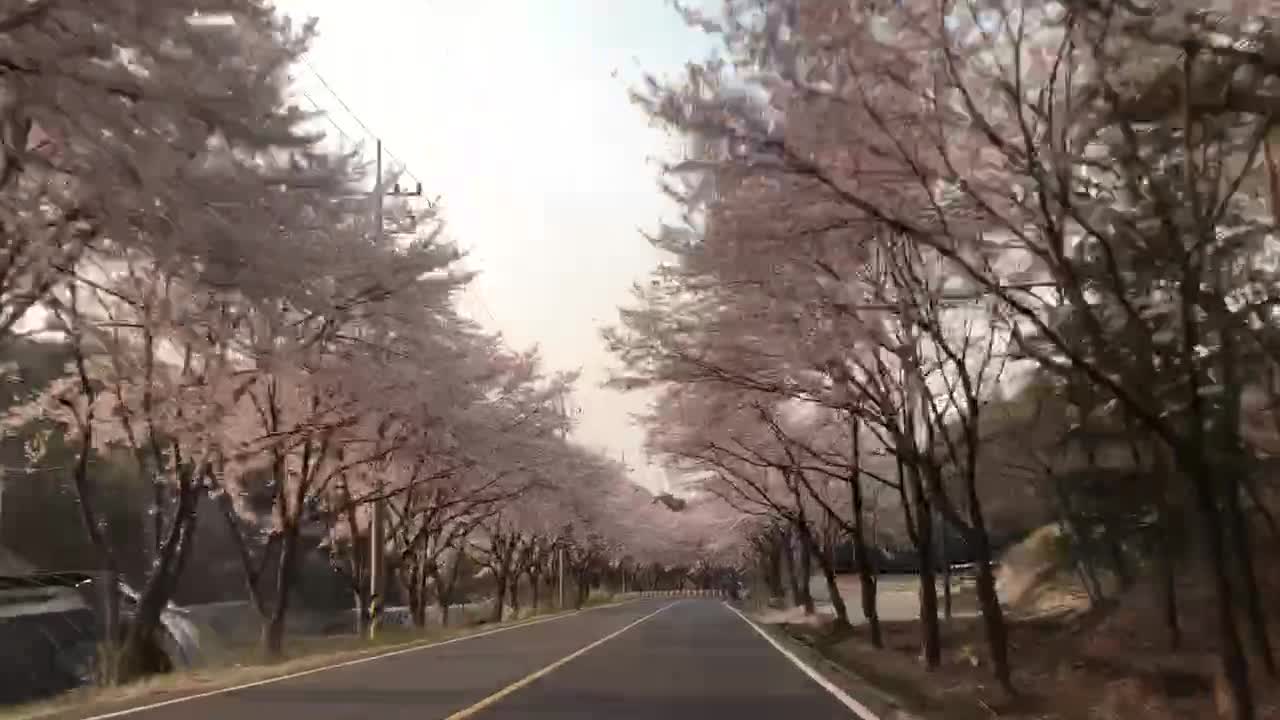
x: 522, y: 682
x: 336, y: 666
x: 862, y: 711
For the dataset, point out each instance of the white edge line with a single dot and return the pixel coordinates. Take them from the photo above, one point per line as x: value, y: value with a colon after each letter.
x: 862, y: 711
x: 336, y: 666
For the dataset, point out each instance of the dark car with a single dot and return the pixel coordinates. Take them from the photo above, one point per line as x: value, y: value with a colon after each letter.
x: 51, y: 625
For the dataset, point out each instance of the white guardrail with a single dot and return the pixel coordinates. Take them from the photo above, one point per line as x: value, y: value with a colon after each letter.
x: 675, y: 593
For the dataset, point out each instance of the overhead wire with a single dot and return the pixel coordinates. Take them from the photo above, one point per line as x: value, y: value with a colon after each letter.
x: 328, y: 117
x: 404, y: 167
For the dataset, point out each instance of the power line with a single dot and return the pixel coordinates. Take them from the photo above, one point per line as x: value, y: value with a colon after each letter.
x: 404, y: 167
x: 328, y: 118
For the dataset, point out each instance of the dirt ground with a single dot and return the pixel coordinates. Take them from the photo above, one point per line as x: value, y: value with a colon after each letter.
x: 1067, y: 667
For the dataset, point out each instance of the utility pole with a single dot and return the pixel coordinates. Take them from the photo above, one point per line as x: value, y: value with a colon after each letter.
x: 560, y: 563
x: 562, y: 407
x: 377, y: 531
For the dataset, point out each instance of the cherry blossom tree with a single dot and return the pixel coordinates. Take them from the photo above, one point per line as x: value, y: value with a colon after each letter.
x: 110, y: 145
x: 1083, y: 146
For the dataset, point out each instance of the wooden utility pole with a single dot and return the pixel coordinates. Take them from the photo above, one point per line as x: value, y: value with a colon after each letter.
x: 562, y: 406
x: 377, y: 531
x: 560, y: 564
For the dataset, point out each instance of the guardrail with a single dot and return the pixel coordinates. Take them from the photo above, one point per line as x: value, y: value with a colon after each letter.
x: 720, y: 594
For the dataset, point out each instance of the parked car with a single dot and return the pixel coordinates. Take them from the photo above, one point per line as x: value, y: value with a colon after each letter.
x: 51, y: 625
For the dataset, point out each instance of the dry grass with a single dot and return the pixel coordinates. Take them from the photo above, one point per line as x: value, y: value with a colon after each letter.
x: 1067, y: 667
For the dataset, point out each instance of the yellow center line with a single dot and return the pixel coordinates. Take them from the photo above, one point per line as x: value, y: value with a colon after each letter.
x: 524, y: 681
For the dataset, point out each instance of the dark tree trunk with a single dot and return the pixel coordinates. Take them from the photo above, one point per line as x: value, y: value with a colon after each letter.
x: 1169, y: 595
x: 992, y: 614
x: 789, y: 562
x: 360, y: 594
x: 771, y: 560
x: 1234, y: 665
x: 945, y: 559
x: 418, y: 610
x: 412, y: 580
x: 1119, y: 563
x: 988, y: 600
x: 1195, y: 458
x: 1242, y: 547
x: 1238, y: 531
x: 273, y: 632
x: 827, y: 565
x: 867, y: 575
x: 139, y: 654
x: 931, y: 635
x: 499, y: 592
x: 515, y: 596
x: 584, y: 588
x: 87, y: 502
x: 422, y: 595
x: 251, y: 572
x: 806, y: 572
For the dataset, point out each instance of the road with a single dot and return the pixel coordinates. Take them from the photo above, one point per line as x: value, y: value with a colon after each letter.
x: 668, y: 659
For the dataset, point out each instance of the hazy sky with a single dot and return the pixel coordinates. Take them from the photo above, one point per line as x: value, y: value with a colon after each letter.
x: 516, y: 113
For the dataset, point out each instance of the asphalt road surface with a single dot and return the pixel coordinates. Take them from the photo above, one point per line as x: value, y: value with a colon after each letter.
x: 668, y: 659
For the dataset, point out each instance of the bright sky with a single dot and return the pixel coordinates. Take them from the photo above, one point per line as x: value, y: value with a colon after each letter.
x: 516, y: 113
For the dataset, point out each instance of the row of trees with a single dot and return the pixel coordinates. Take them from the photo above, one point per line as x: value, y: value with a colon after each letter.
x: 249, y: 328
x: 950, y: 253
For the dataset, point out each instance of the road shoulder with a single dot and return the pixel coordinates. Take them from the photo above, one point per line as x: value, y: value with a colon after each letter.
x: 882, y: 704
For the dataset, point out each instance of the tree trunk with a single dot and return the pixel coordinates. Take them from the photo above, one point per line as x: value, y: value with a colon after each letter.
x: 772, y: 562
x: 584, y: 588
x: 1242, y: 547
x: 414, y: 589
x: 1169, y: 594
x: 87, y: 502
x: 1076, y: 542
x: 867, y: 576
x: 1234, y: 665
x: 806, y: 572
x: 793, y: 575
x: 360, y: 595
x: 421, y: 610
x: 1196, y: 458
x: 988, y: 600
x: 827, y: 565
x: 1119, y: 563
x: 445, y: 584
x: 992, y: 614
x: 273, y: 631
x: 945, y: 559
x: 499, y: 592
x: 868, y: 580
x: 1238, y: 531
x: 931, y: 635
x: 535, y: 581
x: 139, y: 655
x: 515, y: 596
x: 249, y: 571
